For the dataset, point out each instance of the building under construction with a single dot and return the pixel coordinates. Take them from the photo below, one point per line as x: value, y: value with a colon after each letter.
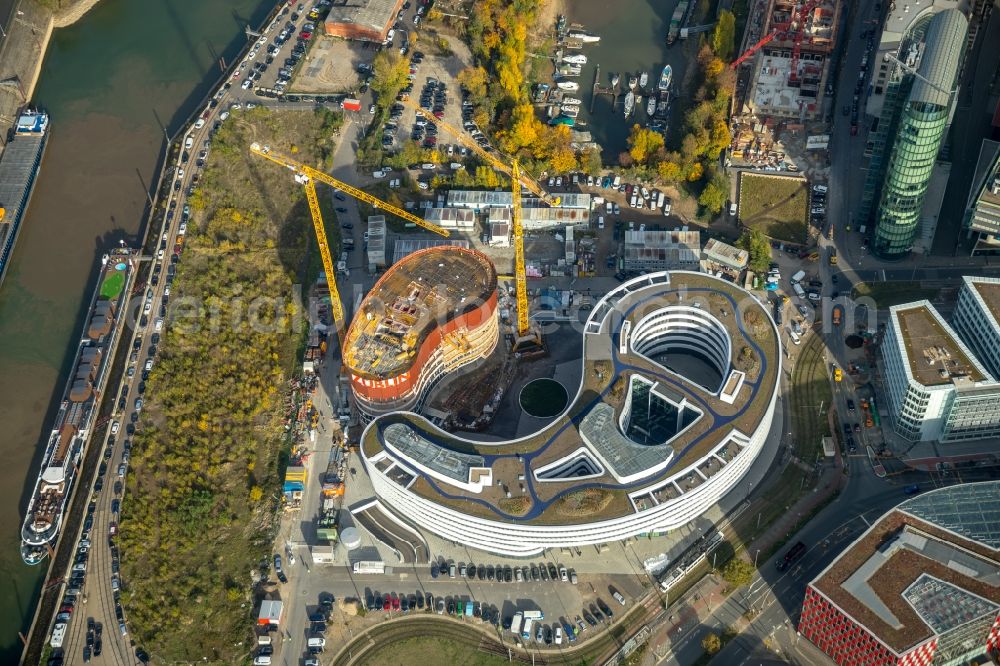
x: 792, y: 68
x: 428, y: 316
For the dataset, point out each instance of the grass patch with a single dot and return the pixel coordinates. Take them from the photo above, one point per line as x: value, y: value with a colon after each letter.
x: 811, y: 397
x: 436, y: 650
x: 887, y: 294
x: 112, y: 285
x: 587, y: 502
x: 776, y: 205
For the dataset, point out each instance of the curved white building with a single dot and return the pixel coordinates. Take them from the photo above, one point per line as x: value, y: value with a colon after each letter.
x: 641, y: 447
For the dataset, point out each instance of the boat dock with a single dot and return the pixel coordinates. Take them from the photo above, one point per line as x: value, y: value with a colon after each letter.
x: 613, y: 91
x: 18, y: 168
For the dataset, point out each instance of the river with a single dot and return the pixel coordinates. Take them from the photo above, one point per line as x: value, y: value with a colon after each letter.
x: 633, y: 39
x: 108, y: 81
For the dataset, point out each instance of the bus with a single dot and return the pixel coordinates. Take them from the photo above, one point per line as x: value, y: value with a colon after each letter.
x: 536, y: 615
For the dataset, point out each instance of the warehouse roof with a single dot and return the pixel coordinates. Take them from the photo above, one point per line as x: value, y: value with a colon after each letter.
x: 374, y: 14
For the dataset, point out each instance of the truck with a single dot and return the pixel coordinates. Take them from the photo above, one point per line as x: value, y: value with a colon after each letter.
x: 351, y: 104
x: 526, y: 630
x: 369, y: 567
x: 515, y: 624
x: 799, y: 291
x: 798, y: 277
x: 534, y: 615
x: 833, y: 256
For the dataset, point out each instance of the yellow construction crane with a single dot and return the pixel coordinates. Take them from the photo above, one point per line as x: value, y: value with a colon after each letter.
x: 313, y: 174
x: 308, y: 176
x: 336, y: 305
x: 525, y: 336
x: 463, y: 137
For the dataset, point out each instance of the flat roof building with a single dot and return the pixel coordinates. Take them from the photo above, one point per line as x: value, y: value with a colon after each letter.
x: 365, y: 20
x: 920, y: 586
x: 724, y: 254
x: 662, y: 250
x: 451, y: 218
x: 404, y: 247
x: 938, y: 390
x: 982, y: 212
x: 977, y: 319
x: 376, y: 242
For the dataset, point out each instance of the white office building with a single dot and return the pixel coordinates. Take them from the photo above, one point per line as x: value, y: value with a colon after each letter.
x: 976, y: 319
x: 938, y: 389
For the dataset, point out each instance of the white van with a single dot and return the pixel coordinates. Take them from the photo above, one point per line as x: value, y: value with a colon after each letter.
x: 58, y: 633
x: 600, y: 221
x: 795, y: 337
x: 189, y: 142
x: 559, y: 635
x: 264, y: 640
x: 262, y: 660
x: 316, y: 642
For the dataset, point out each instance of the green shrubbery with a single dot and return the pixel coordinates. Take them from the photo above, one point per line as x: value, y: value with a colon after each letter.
x: 199, y: 507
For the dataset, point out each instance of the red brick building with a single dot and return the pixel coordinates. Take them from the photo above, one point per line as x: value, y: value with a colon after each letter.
x: 920, y: 587
x: 365, y: 20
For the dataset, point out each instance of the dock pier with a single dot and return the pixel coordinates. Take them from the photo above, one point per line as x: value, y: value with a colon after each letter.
x: 613, y: 91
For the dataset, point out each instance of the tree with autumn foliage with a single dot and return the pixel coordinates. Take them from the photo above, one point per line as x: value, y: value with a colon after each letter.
x: 644, y: 144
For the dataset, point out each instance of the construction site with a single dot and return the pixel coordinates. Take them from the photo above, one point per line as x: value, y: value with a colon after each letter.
x: 791, y: 66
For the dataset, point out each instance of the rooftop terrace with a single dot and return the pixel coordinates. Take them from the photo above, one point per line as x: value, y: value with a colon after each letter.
x: 933, y: 350
x: 428, y: 289
x: 706, y: 422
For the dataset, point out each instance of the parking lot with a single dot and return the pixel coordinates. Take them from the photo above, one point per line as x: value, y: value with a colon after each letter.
x: 271, y: 63
x: 476, y: 599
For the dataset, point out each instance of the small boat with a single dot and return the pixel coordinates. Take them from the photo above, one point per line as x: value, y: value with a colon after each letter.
x: 615, y: 79
x: 632, y: 81
x: 643, y: 80
x: 571, y: 86
x: 562, y: 120
x: 572, y: 100
x: 570, y: 70
x: 575, y: 59
x: 629, y: 103
x: 584, y: 37
x: 665, y: 78
x: 651, y: 106
x: 571, y: 111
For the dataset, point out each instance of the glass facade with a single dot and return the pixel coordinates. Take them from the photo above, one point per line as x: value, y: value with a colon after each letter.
x: 918, y: 140
x: 917, y: 135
